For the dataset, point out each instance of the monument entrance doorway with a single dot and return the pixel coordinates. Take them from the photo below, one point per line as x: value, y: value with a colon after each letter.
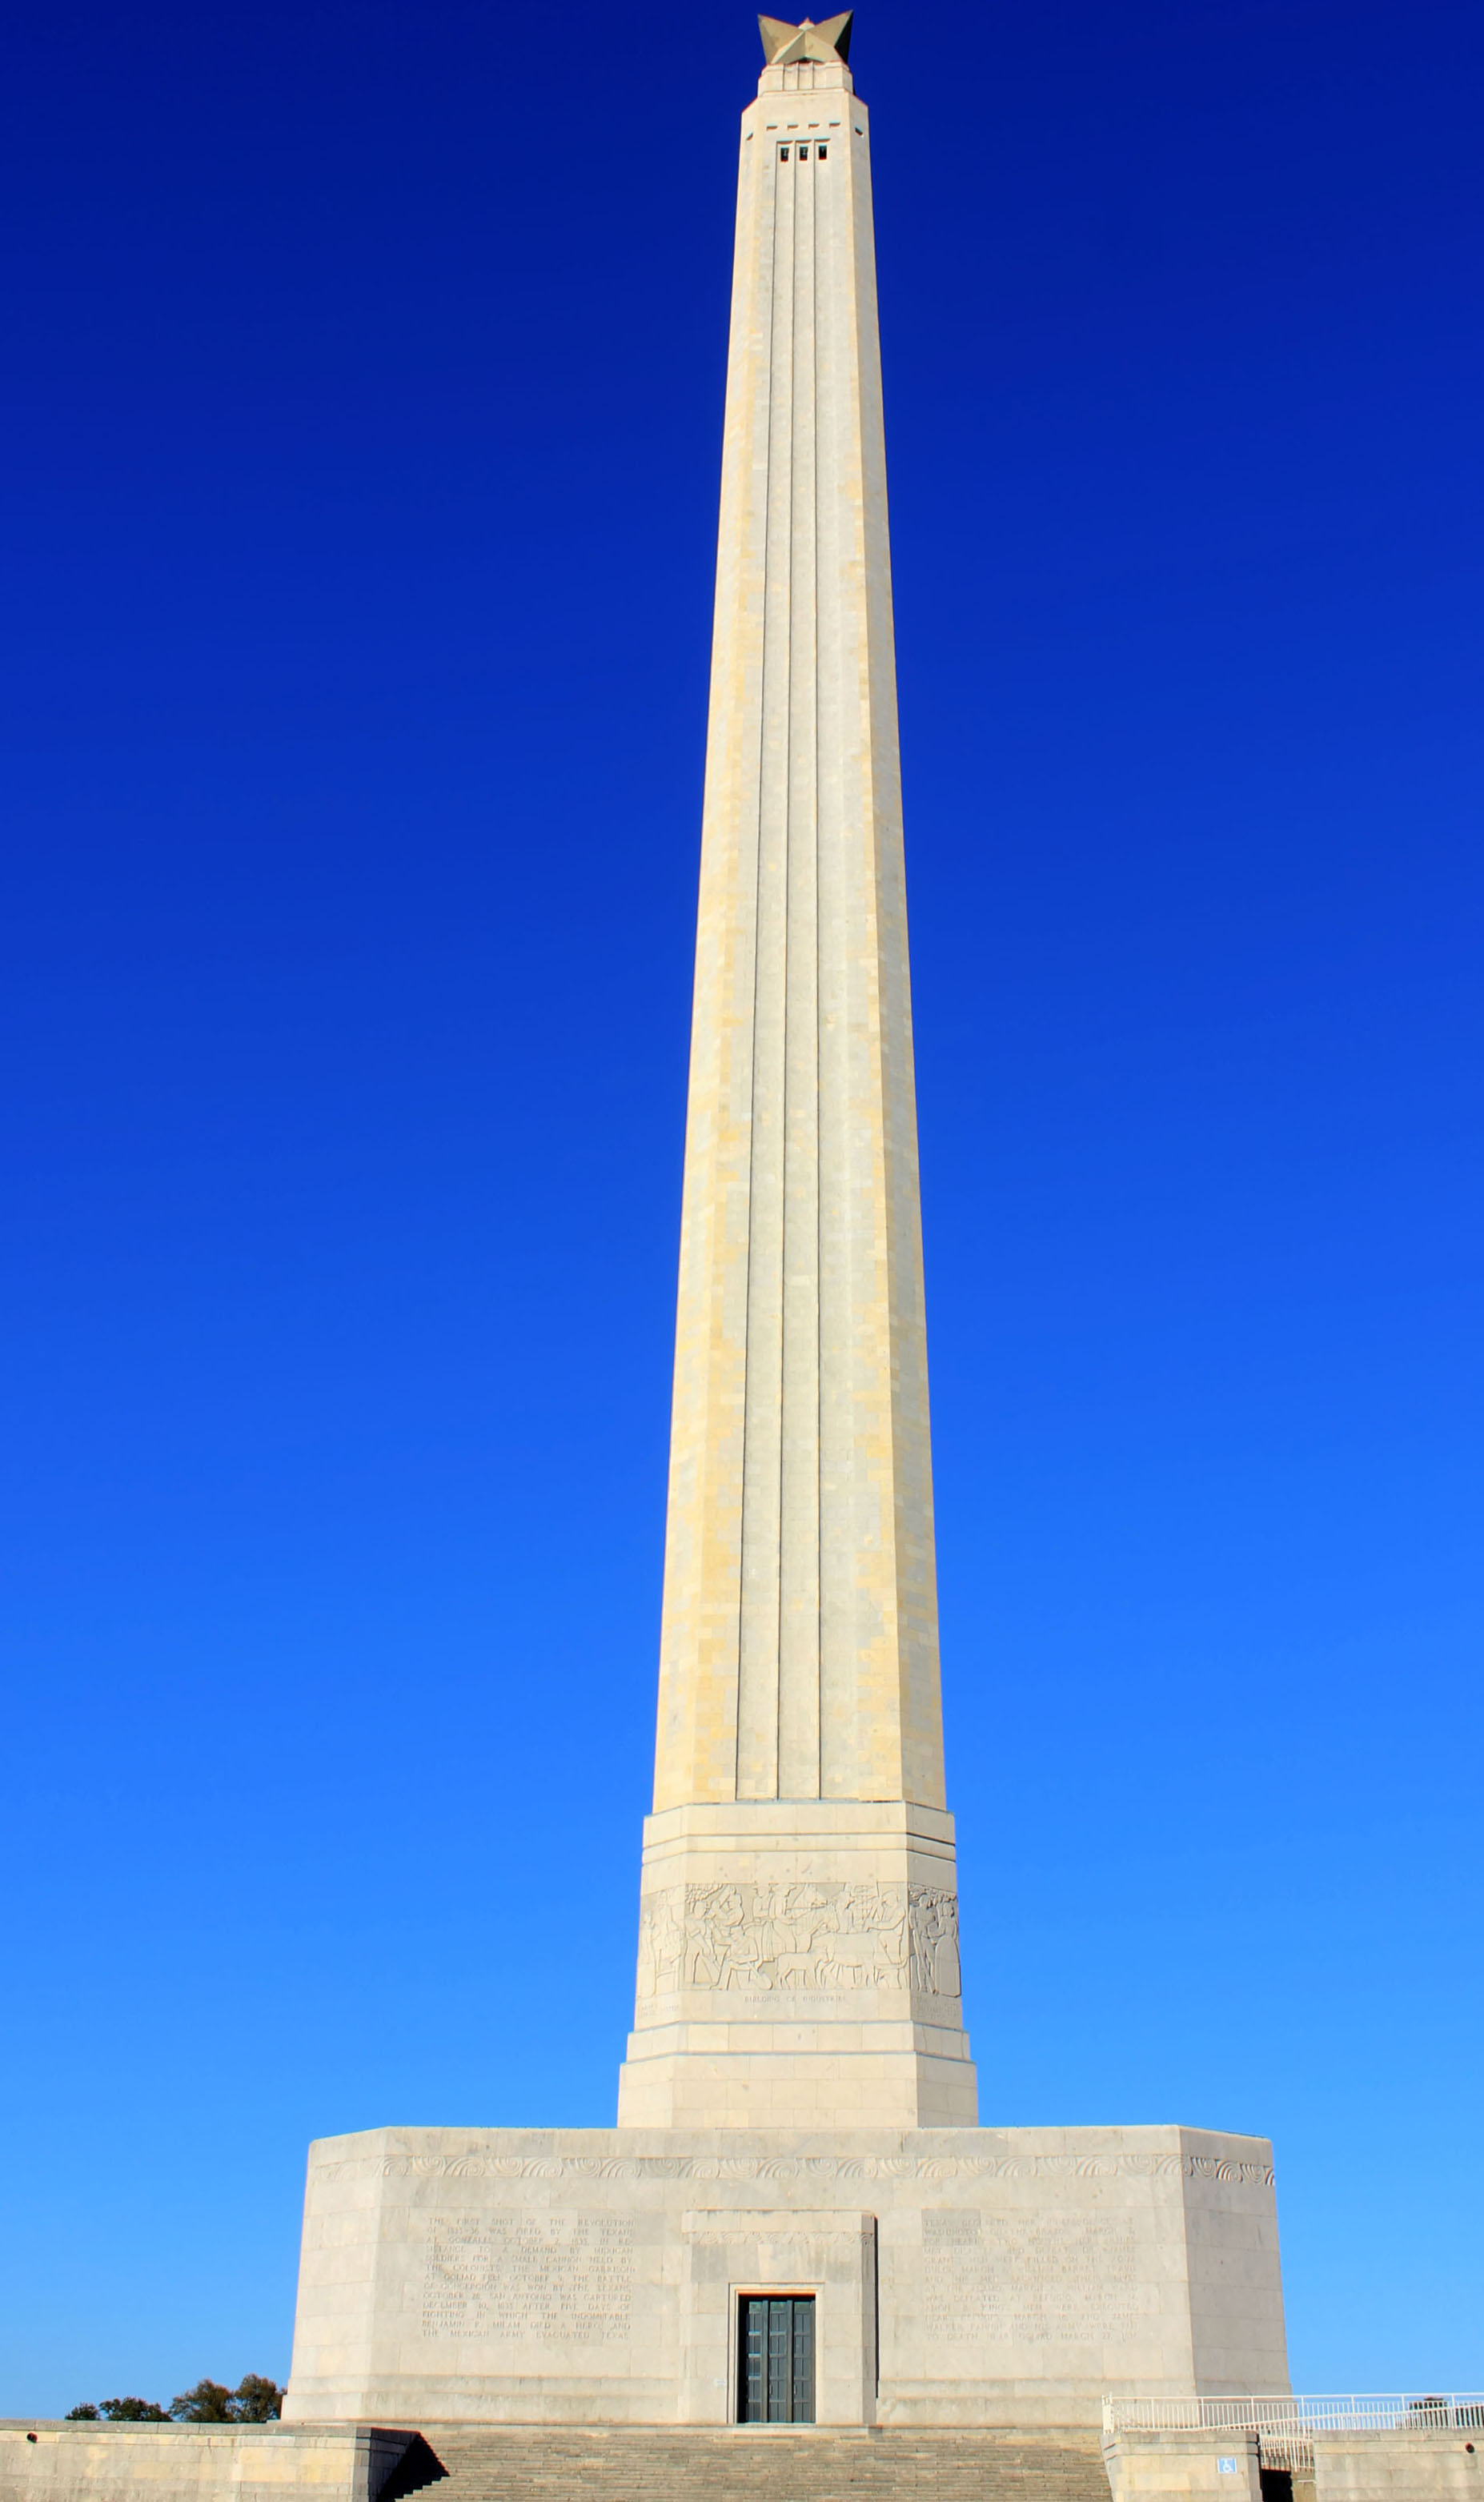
x: 775, y: 2378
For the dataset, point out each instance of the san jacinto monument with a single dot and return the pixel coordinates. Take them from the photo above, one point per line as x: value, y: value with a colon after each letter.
x: 797, y: 2217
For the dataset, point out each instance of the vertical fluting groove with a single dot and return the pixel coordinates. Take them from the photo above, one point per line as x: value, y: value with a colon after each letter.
x: 744, y: 1769
x: 757, y: 1660
x: 785, y: 1106
x: 754, y: 279
x: 876, y: 1727
x: 857, y: 1538
x: 820, y: 413
x: 799, y: 1526
x: 789, y: 537
x: 789, y: 1105
x: 833, y: 1140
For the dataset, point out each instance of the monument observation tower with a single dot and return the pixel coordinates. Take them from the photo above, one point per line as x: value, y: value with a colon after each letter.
x: 797, y: 2219
x: 798, y: 1950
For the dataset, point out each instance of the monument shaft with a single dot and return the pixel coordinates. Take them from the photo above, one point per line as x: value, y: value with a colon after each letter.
x: 799, y: 1861
x: 799, y: 1642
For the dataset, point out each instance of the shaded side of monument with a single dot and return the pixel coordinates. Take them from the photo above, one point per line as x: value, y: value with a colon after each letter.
x: 797, y: 2219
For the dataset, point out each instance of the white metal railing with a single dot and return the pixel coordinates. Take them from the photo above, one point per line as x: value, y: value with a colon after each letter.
x: 1285, y: 2426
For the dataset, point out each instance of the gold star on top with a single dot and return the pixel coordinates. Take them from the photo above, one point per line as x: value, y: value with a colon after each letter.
x: 828, y: 42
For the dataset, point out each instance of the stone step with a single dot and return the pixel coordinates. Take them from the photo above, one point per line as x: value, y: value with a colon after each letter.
x: 634, y: 2463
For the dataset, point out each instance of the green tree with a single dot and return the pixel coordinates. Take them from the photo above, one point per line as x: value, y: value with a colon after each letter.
x: 259, y: 2401
x: 134, y: 2410
x: 207, y: 2403
x: 81, y: 2415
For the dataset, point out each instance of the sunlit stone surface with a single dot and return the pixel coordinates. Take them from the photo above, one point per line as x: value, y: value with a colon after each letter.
x: 798, y: 2107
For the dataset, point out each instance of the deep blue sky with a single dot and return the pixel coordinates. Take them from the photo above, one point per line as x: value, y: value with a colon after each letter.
x: 366, y: 369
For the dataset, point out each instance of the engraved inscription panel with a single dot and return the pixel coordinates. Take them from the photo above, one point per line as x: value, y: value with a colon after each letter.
x: 561, y: 2278
x: 1029, y: 2279
x: 812, y: 1935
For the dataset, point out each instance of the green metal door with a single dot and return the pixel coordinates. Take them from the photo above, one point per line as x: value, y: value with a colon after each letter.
x: 775, y: 2376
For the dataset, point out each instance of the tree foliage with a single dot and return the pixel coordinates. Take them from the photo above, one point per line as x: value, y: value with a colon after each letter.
x: 254, y: 2400
x: 259, y: 2401
x: 208, y: 2401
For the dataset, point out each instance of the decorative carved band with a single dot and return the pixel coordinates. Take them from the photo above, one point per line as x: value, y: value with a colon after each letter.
x: 475, y: 2165
x: 826, y: 1936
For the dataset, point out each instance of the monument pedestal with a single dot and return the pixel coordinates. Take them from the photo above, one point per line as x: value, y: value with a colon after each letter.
x: 798, y: 1958
x: 960, y: 2277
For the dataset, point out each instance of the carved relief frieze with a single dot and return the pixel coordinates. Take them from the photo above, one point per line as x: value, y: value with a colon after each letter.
x: 821, y: 1935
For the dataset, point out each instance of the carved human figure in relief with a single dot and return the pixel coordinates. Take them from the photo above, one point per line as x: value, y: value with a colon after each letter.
x: 661, y: 1943
x: 802, y: 1936
x: 869, y: 1948
x: 935, y: 1942
x: 723, y: 1947
x: 789, y: 1919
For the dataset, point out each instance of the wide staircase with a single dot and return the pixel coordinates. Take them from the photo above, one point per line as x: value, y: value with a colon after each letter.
x: 630, y: 2463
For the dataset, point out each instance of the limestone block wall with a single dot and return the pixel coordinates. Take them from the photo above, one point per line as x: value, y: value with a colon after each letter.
x: 1412, y: 2466
x: 104, y: 2462
x: 1429, y: 2466
x: 965, y: 2277
x: 1183, y: 2466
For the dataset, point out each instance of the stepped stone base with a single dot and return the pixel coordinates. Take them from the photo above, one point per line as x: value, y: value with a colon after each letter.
x: 463, y: 2462
x: 745, y: 2464
x: 962, y: 2277
x: 50, y: 2462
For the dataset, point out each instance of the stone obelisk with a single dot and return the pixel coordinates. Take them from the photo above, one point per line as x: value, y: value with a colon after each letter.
x: 799, y: 1959
x: 797, y: 2219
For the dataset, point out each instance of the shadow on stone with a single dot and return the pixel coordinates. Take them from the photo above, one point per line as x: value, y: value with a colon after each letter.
x: 418, y: 2467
